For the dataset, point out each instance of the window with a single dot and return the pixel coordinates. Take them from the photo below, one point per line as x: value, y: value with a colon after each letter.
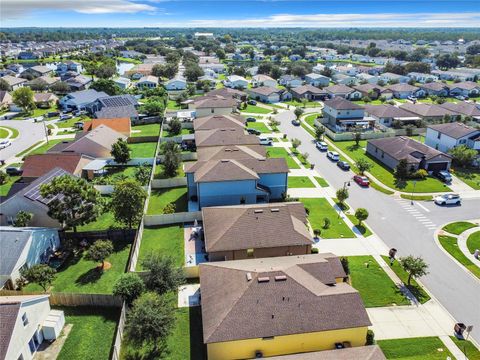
x: 212, y: 111
x: 439, y: 135
x: 463, y: 141
x: 25, y: 319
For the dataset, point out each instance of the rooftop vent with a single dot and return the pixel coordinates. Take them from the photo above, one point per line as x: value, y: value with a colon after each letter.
x: 258, y: 211
x: 280, y: 278
x: 275, y: 210
x: 224, y: 160
x: 249, y: 276
x: 263, y: 279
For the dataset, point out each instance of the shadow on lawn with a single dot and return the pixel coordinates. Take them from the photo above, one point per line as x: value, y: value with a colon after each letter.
x: 362, y: 229
x: 197, y: 348
x: 91, y: 276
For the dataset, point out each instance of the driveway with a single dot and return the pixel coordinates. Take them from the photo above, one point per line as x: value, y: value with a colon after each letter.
x: 408, y: 228
x: 29, y: 134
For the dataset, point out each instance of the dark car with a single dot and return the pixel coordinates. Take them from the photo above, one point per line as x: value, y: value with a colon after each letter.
x: 361, y: 180
x: 295, y: 122
x: 443, y: 175
x: 252, y: 102
x: 343, y: 165
x: 13, y: 171
x: 53, y: 114
x: 251, y: 119
x: 253, y: 131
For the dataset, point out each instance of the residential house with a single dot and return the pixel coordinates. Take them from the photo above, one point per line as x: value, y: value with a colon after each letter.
x: 26, y: 322
x: 308, y: 92
x: 79, y: 82
x: 343, y: 91
x: 36, y: 71
x: 63, y: 67
x: 269, y: 94
x: 436, y: 89
x: 23, y: 247
x: 81, y: 100
x: 387, y: 114
x: 232, y: 232
x: 123, y: 83
x: 370, y: 352
x: 290, y: 81
x: 348, y: 70
x: 5, y: 99
x: 403, y: 91
x: 14, y: 82
x: 454, y: 75
x: 295, y: 304
x: 444, y: 137
x: 343, y: 115
x: 147, y: 82
x: 236, y: 82
x: 263, y: 80
x: 369, y: 90
x: 27, y: 55
x: 45, y: 100
x: 37, y: 165
x: 317, y: 80
x: 212, y: 82
x: 117, y: 106
x: 429, y: 112
x: 370, y: 79
x: 342, y: 79
x: 213, y: 122
x: 177, y: 83
x: 235, y: 152
x: 212, y: 105
x: 391, y: 77
x: 121, y: 125
x: 224, y: 137
x: 42, y: 82
x: 466, y: 89
x: 422, y: 77
x: 463, y: 108
x: 139, y: 71
x: 389, y: 151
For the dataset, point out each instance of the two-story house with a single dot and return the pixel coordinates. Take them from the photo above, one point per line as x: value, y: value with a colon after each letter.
x: 343, y: 114
x: 444, y: 137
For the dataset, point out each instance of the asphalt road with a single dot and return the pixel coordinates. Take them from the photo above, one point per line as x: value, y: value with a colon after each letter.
x: 29, y: 134
x: 408, y: 228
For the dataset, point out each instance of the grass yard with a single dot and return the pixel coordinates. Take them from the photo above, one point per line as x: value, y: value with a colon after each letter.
x: 142, y: 150
x: 321, y: 181
x: 172, y: 105
x: 364, y: 230
x: 45, y: 147
x: 470, y: 177
x: 4, y: 132
x: 458, y: 227
x: 115, y: 174
x: 417, y: 197
x: 79, y: 275
x: 160, y: 198
x: 256, y: 110
x: 92, y: 334
x: 385, y: 175
x: 167, y: 240
x: 104, y: 222
x: 450, y: 244
x: 300, y: 182
x: 308, y: 104
x: 310, y: 119
x: 300, y: 157
x: 414, y: 288
x: 280, y: 152
x: 422, y: 348
x: 160, y: 175
x: 146, y: 130
x: 373, y: 284
x: 260, y: 126
x: 5, y: 188
x: 167, y: 134
x: 372, y: 102
x: 319, y: 209
x: 467, y: 348
x: 473, y: 242
x: 63, y: 124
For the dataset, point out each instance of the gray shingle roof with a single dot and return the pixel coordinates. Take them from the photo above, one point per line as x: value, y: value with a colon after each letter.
x: 455, y: 130
x: 12, y: 243
x: 222, y: 137
x: 339, y: 103
x: 8, y: 315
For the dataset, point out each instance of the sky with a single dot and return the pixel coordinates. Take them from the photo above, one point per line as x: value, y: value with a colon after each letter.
x: 240, y: 13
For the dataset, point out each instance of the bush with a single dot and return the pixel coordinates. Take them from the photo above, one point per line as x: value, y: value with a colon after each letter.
x: 314, y: 251
x: 169, y: 208
x: 370, y: 340
x: 317, y: 232
x: 419, y: 174
x: 345, y: 265
x: 326, y: 223
x: 307, y: 210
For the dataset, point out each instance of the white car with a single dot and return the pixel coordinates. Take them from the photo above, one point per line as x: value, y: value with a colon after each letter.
x: 321, y: 145
x: 333, y: 155
x: 265, y: 141
x: 448, y: 199
x: 5, y: 143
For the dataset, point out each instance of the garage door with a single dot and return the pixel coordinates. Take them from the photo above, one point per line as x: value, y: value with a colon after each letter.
x: 437, y: 166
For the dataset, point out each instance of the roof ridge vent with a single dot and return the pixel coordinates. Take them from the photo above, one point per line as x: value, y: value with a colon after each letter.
x: 275, y: 210
x: 258, y: 211
x: 263, y: 279
x: 249, y: 276
x: 280, y: 278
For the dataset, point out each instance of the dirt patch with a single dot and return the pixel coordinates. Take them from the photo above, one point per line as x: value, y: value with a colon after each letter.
x: 106, y: 266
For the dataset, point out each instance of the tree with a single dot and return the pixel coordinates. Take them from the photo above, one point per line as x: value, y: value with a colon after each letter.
x: 142, y: 174
x: 40, y: 274
x: 60, y: 87
x: 4, y: 86
x: 414, y: 266
x: 152, y: 107
x: 357, y: 136
x: 99, y: 251
x: 172, y: 158
x: 193, y: 72
x: 361, y: 214
x: 175, y: 126
x: 107, y: 86
x: 129, y: 287
x: 3, y: 177
x: 128, y: 200
x: 401, y: 170
x: 345, y: 265
x: 296, y: 143
x: 363, y: 165
x: 23, y: 97
x: 163, y: 276
x: 342, y: 195
x: 106, y: 70
x: 150, y: 321
x: 447, y: 61
x: 298, y: 112
x: 22, y: 219
x: 74, y: 202
x: 463, y: 155
x: 120, y: 151
x: 274, y: 124
x: 319, y: 132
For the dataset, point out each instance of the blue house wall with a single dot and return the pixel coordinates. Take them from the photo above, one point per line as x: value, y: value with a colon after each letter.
x: 43, y: 243
x: 277, y: 183
x: 227, y: 193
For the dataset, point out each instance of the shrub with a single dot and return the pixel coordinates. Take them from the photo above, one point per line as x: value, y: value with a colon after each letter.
x: 169, y: 208
x: 307, y: 210
x: 370, y: 339
x: 326, y: 223
x: 314, y: 251
x: 345, y: 265
x: 317, y: 232
x: 419, y: 174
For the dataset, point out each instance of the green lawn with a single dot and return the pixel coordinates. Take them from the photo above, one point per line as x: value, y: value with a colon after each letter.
x: 172, y: 105
x: 458, y: 227
x: 300, y: 182
x: 385, y: 175
x: 260, y: 126
x: 280, y: 152
x: 300, y: 157
x: 79, y: 275
x: 414, y: 287
x: 62, y: 124
x: 116, y: 173
x: 417, y: 197
x: 321, y: 181
x: 92, y: 333
x: 5, y: 188
x: 142, y: 150
x: 450, y: 244
x: 319, y: 209
x: 146, y: 130
x: 310, y: 119
x: 160, y: 198
x: 473, y: 242
x: 36, y: 113
x: 467, y: 348
x: 4, y: 132
x: 297, y: 103
x: 373, y: 284
x: 45, y: 147
x: 167, y: 134
x: 424, y: 348
x: 167, y: 240
x: 470, y: 177
x: 159, y: 172
x: 364, y: 230
x: 256, y: 110
x: 104, y: 222
x: 373, y: 102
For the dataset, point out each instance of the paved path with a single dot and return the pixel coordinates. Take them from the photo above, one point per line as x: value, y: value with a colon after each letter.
x: 29, y: 133
x: 462, y: 244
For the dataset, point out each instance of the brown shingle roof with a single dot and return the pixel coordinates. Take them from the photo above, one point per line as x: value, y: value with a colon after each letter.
x: 222, y: 137
x: 255, y: 226
x: 297, y: 302
x: 42, y: 97
x: 265, y: 90
x: 307, y: 88
x: 231, y: 152
x: 339, y: 103
x: 388, y: 111
x: 402, y: 87
x: 465, y: 85
x: 455, y: 130
x: 215, y: 101
x: 462, y: 107
x: 8, y: 316
x: 219, y: 122
x: 339, y: 88
x: 435, y: 86
x: 40, y: 164
x: 426, y: 109
x: 372, y: 352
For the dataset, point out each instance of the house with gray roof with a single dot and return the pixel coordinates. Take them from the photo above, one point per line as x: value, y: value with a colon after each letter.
x: 466, y: 89
x: 435, y: 88
x: 446, y: 136
x: 14, y: 82
x: 81, y: 100
x: 403, y: 91
x: 224, y: 137
x: 463, y: 108
x: 429, y: 112
x: 268, y: 94
x: 308, y: 92
x: 219, y: 122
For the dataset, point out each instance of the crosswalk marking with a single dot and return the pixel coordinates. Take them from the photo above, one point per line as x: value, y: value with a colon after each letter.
x: 417, y: 213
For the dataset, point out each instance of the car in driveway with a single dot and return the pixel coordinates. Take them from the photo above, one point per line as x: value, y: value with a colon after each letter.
x: 343, y: 165
x: 13, y: 171
x: 265, y: 140
x: 448, y: 199
x: 321, y: 145
x: 250, y: 119
x: 443, y: 175
x: 361, y: 180
x: 65, y: 117
x: 253, y: 131
x: 5, y: 143
x: 296, y: 122
x: 333, y: 155
x: 252, y: 102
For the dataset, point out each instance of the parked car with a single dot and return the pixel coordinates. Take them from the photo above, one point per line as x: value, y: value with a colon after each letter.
x: 252, y: 102
x: 443, y: 175
x: 333, y: 155
x: 296, y: 122
x: 448, y: 199
x: 321, y: 145
x: 460, y: 97
x: 5, y: 143
x: 13, y: 171
x: 412, y: 99
x: 343, y: 165
x: 253, y: 131
x: 79, y: 112
x: 250, y: 119
x: 361, y: 180
x: 79, y: 125
x: 265, y: 140
x: 39, y: 119
x: 52, y: 114
x: 65, y: 117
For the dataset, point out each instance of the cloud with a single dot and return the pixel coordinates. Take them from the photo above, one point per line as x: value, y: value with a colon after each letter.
x: 12, y: 9
x: 467, y: 19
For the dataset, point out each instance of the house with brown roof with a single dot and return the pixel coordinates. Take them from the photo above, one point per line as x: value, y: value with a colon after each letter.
x: 235, y: 152
x: 279, y: 306
x: 252, y: 231
x: 45, y: 100
x: 232, y: 182
x: 389, y: 151
x: 120, y: 125
x: 38, y: 165
x: 369, y: 90
x: 343, y: 115
x: 435, y: 88
x: 269, y: 94
x: 387, y: 114
x: 5, y: 99
x: 223, y: 137
x: 403, y: 91
x: 463, y: 108
x: 343, y: 91
x: 446, y: 136
x: 14, y: 82
x: 466, y: 89
x: 308, y: 92
x: 428, y: 112
x: 212, y: 105
x: 214, y: 122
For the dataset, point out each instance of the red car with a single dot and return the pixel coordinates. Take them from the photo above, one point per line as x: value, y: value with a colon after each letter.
x: 361, y: 180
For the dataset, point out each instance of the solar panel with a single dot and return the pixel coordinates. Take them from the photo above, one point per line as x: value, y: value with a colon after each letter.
x: 34, y: 193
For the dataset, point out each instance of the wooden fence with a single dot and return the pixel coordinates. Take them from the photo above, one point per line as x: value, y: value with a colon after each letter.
x: 176, y: 218
x: 72, y: 299
x: 111, y: 235
x: 117, y: 345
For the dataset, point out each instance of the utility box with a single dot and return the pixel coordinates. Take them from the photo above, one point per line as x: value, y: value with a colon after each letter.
x: 53, y: 324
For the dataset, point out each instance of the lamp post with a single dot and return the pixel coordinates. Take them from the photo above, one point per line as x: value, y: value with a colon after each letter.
x: 345, y: 184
